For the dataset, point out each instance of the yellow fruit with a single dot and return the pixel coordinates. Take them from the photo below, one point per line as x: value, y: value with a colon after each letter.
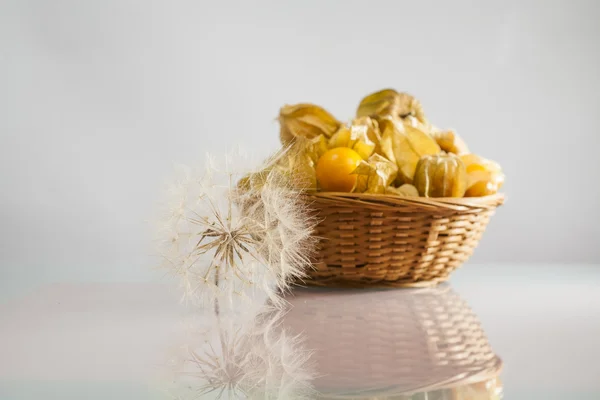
x: 473, y: 162
x: 483, y: 183
x: 357, y: 137
x: 485, y: 176
x: 441, y: 175
x: 372, y: 129
x: 335, y: 168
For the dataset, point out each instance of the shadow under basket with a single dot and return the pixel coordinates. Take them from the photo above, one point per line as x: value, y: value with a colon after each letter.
x: 383, y: 240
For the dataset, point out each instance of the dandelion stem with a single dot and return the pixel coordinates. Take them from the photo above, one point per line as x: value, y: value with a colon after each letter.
x: 217, y: 285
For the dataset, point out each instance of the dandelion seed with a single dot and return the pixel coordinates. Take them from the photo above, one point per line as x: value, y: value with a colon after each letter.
x: 223, y: 242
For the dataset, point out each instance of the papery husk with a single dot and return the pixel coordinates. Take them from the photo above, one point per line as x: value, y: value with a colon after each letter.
x: 369, y: 126
x: 480, y: 183
x: 363, y: 171
x: 450, y: 142
x: 315, y: 147
x: 404, y: 145
x: 297, y: 163
x: 360, y: 141
x: 474, y: 162
x: 341, y: 138
x: 483, y: 183
x: 302, y: 160
x: 303, y: 171
x: 415, y: 123
x: 406, y: 190
x: 441, y: 175
x: 375, y: 175
x: 355, y: 137
x: 484, y: 176
x: 389, y: 102
x: 306, y: 121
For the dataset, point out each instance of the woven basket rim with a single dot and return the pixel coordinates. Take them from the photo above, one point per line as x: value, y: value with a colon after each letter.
x: 450, y: 203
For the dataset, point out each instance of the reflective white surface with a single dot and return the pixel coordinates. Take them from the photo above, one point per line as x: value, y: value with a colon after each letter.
x: 98, y: 341
x: 384, y: 343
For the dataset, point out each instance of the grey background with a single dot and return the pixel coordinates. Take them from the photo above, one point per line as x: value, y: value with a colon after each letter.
x: 99, y: 98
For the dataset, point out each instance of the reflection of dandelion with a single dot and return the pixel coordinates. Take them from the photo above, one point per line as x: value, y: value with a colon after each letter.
x: 243, y: 360
x: 222, y: 241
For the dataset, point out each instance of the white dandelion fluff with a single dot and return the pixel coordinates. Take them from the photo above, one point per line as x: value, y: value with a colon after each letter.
x: 243, y: 359
x: 235, y: 232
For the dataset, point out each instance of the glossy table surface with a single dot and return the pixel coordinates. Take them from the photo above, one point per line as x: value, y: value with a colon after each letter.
x: 536, y: 327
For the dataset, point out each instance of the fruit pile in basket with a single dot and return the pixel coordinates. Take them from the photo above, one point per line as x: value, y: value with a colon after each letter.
x: 389, y: 148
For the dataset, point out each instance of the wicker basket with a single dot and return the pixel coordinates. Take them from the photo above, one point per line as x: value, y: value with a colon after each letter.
x: 384, y: 240
x: 372, y: 344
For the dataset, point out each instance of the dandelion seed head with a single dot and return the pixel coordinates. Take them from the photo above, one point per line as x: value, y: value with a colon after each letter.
x: 221, y: 240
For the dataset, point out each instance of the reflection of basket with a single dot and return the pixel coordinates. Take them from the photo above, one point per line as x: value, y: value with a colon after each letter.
x: 395, y: 241
x: 377, y: 343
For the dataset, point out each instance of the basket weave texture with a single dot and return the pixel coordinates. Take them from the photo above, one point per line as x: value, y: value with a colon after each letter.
x: 384, y: 343
x: 384, y: 240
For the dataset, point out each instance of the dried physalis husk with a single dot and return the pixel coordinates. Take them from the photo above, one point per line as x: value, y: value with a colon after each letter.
x: 297, y: 163
x: 389, y: 102
x: 483, y: 183
x: 415, y: 123
x: 355, y: 137
x: 360, y: 141
x: 307, y: 121
x: 441, y: 175
x: 473, y: 162
x: 256, y: 180
x: 449, y: 141
x: 303, y: 172
x: 404, y: 145
x: 375, y: 175
x: 381, y: 103
x: 385, y: 171
x: 316, y: 147
x: 367, y: 125
x: 363, y: 171
x: 301, y: 161
x: 484, y: 177
x: 406, y: 190
x: 341, y: 138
